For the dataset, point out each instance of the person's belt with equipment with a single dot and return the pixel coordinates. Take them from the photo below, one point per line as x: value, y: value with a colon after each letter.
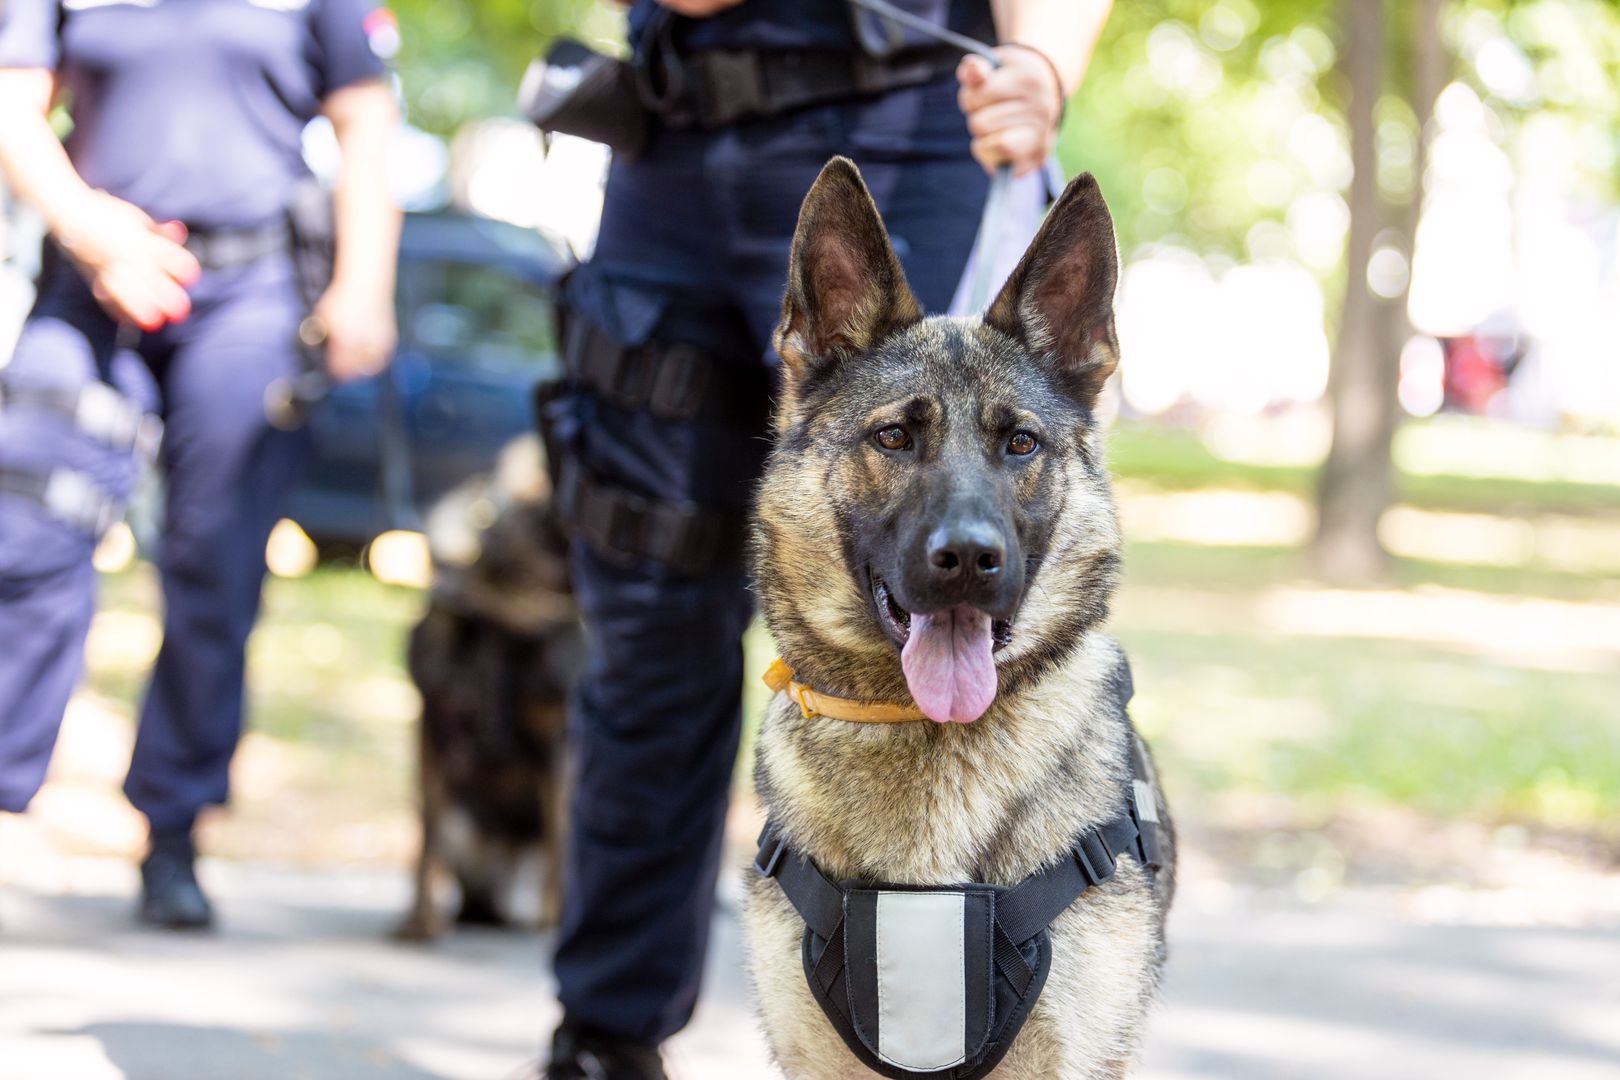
x: 715, y: 87
x: 230, y: 248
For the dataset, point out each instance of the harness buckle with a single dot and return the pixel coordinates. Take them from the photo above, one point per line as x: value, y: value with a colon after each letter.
x: 1096, y: 861
x: 771, y: 846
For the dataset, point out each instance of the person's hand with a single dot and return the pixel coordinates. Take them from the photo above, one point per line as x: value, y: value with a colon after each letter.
x: 136, y: 267
x: 698, y: 9
x: 358, y: 322
x: 1012, y: 110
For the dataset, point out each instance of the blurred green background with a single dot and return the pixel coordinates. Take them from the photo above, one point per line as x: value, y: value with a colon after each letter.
x: 1456, y: 676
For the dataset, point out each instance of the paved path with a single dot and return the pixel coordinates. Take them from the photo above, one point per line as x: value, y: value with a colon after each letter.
x: 300, y: 983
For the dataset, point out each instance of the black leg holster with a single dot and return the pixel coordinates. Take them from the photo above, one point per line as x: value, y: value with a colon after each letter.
x: 673, y: 382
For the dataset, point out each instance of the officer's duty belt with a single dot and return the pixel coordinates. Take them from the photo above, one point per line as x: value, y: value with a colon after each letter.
x: 95, y: 409
x: 670, y: 380
x: 67, y: 495
x: 228, y: 248
x: 625, y: 527
x: 723, y: 86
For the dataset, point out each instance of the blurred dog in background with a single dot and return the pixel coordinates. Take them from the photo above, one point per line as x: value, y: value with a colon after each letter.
x: 494, y: 658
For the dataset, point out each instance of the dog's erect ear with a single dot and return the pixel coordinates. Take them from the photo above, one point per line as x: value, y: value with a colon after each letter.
x: 1059, y: 302
x: 846, y: 289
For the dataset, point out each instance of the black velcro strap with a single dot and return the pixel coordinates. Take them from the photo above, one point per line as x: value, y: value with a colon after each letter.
x: 818, y: 901
x: 670, y: 380
x: 625, y: 527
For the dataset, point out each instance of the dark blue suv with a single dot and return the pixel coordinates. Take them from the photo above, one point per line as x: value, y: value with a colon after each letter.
x: 476, y: 332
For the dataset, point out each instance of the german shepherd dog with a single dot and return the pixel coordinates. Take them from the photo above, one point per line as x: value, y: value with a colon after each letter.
x: 493, y: 659
x: 935, y: 525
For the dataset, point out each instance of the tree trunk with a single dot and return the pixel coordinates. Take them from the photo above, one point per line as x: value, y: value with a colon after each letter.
x: 1356, y: 482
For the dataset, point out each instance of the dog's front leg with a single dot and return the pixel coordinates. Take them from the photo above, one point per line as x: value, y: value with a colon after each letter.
x: 423, y: 921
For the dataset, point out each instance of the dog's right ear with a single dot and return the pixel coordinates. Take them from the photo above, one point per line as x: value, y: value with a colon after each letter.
x: 846, y: 289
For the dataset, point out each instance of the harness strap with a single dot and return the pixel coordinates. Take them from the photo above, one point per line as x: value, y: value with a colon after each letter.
x: 1023, y: 910
x: 68, y: 495
x: 670, y: 380
x: 625, y: 527
x: 96, y: 409
x: 818, y: 901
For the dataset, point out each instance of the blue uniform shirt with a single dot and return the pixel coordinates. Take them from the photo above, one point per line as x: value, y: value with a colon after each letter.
x: 809, y: 24
x: 193, y: 110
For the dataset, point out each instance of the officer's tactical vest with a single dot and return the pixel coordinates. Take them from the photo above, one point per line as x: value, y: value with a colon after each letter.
x: 931, y: 983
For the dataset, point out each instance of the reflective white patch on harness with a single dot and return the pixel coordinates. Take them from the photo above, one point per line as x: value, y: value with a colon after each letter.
x: 1147, y: 808
x: 922, y: 1003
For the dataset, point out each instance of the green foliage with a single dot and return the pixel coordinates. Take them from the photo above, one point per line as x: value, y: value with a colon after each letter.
x: 461, y: 60
x: 1187, y: 111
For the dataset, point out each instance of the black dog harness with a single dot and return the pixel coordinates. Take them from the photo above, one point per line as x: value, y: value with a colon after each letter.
x: 928, y: 983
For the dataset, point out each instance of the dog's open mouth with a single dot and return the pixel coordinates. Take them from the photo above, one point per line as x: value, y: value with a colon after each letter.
x: 896, y: 620
x: 947, y: 656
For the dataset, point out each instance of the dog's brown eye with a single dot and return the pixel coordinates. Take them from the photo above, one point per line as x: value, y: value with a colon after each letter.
x: 893, y: 437
x: 1021, y: 443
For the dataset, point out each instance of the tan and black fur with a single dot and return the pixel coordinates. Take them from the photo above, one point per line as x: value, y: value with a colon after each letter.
x: 493, y: 659
x: 934, y: 804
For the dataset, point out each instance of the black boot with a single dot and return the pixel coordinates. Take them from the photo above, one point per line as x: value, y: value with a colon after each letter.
x: 579, y: 1053
x: 170, y: 895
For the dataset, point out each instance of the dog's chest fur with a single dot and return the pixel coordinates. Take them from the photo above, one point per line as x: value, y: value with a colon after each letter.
x: 993, y: 801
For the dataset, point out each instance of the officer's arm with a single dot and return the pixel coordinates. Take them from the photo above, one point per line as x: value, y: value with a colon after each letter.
x: 358, y: 307
x: 136, y: 267
x: 1065, y: 32
x: 1013, y: 111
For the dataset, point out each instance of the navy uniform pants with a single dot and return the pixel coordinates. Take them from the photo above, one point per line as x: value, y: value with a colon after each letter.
x: 694, y: 249
x: 225, y: 470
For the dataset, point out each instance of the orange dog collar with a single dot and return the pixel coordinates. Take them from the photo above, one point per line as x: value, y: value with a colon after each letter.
x: 813, y: 703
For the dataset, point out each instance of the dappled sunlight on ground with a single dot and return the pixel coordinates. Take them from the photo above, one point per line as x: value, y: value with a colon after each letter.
x: 1548, y: 634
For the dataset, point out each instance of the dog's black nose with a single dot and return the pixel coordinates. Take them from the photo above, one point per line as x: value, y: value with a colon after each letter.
x: 971, y: 549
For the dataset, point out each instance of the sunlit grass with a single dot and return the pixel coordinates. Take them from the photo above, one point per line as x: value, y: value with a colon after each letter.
x: 1180, y: 459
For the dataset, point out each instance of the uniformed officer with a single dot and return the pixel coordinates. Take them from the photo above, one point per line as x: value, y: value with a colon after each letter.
x: 663, y: 432
x: 168, y: 282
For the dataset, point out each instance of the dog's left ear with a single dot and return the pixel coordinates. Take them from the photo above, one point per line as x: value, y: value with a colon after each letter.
x: 1059, y: 302
x: 846, y: 289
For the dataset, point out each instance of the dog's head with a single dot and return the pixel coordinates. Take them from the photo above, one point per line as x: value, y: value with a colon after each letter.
x: 935, y: 515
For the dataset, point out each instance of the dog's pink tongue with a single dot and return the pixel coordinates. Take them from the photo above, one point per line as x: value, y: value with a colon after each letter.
x: 948, y: 664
